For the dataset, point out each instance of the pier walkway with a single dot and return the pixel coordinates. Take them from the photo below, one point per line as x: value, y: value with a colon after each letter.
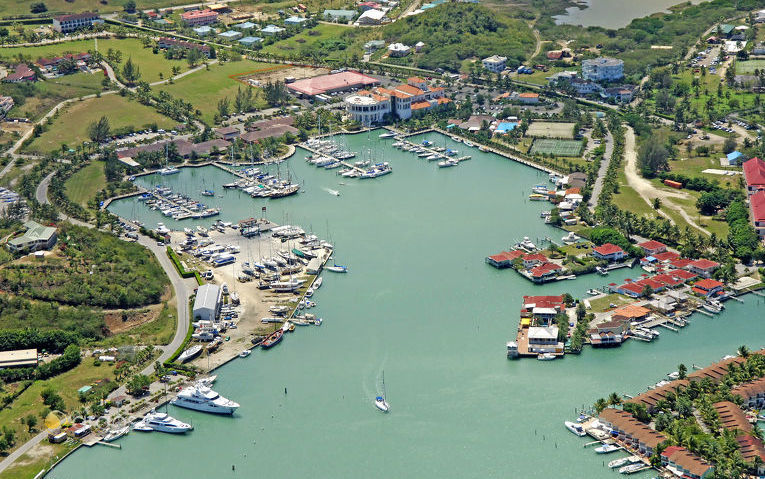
x: 225, y: 168
x: 342, y: 162
x: 432, y: 152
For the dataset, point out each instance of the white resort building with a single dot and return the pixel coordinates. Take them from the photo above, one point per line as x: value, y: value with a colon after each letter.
x: 495, y: 63
x: 370, y: 106
x: 603, y: 69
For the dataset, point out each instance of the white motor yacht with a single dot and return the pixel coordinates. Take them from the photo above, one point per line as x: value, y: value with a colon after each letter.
x: 607, y: 448
x: 162, y: 422
x: 202, y: 398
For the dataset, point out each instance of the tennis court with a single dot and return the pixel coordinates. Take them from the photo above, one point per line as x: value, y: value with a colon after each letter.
x: 546, y: 129
x: 748, y: 67
x: 557, y: 147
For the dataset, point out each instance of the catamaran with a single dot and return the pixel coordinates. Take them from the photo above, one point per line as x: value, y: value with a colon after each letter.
x: 380, y: 402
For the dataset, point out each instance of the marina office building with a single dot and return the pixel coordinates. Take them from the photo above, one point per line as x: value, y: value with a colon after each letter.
x: 370, y: 106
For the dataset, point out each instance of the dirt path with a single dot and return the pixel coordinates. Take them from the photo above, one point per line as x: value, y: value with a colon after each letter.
x: 646, y: 189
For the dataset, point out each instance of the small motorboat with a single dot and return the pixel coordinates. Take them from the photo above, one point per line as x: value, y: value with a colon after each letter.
x: 632, y: 468
x: 333, y: 192
x: 317, y: 283
x: 337, y: 268
x: 387, y: 135
x: 245, y: 353
x: 674, y: 375
x: 618, y: 462
x: 273, y: 339
x: 546, y: 357
x: 593, y: 292
x: 607, y: 448
x: 576, y: 428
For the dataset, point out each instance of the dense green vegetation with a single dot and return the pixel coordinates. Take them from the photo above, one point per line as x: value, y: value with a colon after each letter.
x: 633, y: 42
x: 96, y: 269
x: 453, y: 32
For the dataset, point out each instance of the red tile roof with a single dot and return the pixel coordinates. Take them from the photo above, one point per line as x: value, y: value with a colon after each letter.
x: 535, y: 257
x: 668, y: 279
x: 650, y: 282
x: 634, y: 287
x: 652, y: 245
x: 757, y: 202
x: 608, y: 249
x: 681, y: 263
x: 666, y: 256
x: 415, y: 80
x: 409, y: 90
x: 708, y: 284
x: 545, y: 268
x: 420, y: 105
x: 754, y: 172
x: 704, y: 264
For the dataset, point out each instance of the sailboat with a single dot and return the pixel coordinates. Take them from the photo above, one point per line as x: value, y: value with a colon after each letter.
x: 380, y: 402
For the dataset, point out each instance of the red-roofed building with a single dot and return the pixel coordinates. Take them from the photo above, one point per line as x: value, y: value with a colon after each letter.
x: 630, y: 289
x: 335, y: 82
x: 545, y: 272
x: 651, y: 248
x: 533, y: 259
x: 754, y: 173
x: 685, y: 464
x: 504, y: 259
x: 531, y: 302
x: 703, y: 267
x: 681, y: 263
x: 402, y: 100
x: 199, y: 17
x: 75, y: 21
x: 683, y: 274
x: 364, y: 6
x: 555, y: 55
x: 668, y: 279
x: 666, y: 256
x: 757, y: 205
x: 707, y: 287
x: 608, y: 252
x: 655, y: 286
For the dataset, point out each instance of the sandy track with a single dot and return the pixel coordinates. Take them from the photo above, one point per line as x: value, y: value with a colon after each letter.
x: 646, y: 189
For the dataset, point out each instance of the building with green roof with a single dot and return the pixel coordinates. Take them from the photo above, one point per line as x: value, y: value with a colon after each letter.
x: 36, y: 237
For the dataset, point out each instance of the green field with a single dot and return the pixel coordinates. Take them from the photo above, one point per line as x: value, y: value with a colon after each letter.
x: 571, y: 148
x: 748, y: 67
x: 83, y: 185
x: 22, y: 7
x: 205, y: 87
x: 71, y: 125
x: 150, y: 65
x: 309, y: 42
x: 547, y: 129
x: 46, y: 94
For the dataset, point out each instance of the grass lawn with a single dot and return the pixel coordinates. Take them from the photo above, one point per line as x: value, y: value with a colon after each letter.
x: 694, y: 166
x: 748, y: 67
x: 40, y: 457
x: 71, y: 126
x: 628, y: 199
x: 205, y: 87
x: 49, y: 93
x: 600, y: 305
x: 22, y: 7
x: 539, y: 77
x: 83, y: 185
x: 150, y: 65
x: 305, y: 40
x: 65, y: 385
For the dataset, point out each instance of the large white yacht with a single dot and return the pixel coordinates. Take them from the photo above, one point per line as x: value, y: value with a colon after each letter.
x: 202, y: 398
x: 160, y: 421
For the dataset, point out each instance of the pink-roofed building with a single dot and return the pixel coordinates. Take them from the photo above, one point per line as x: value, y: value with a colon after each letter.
x: 666, y: 256
x: 199, y: 17
x: 708, y: 287
x: 683, y: 274
x: 608, y: 252
x: 668, y: 279
x: 335, y: 82
x: 703, y: 267
x: 533, y: 259
x: 629, y: 289
x: 681, y: 263
x: 545, y: 272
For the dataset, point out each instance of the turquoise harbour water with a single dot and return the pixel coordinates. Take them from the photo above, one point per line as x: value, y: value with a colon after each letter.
x: 420, y: 304
x: 614, y: 13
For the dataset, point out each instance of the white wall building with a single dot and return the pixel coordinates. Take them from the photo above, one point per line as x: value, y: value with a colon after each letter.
x: 368, y: 109
x: 206, y: 303
x: 603, y: 69
x: 495, y: 63
x: 76, y: 21
x: 398, y: 50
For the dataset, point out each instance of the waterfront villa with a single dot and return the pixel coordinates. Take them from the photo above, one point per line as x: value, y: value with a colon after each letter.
x: 504, y: 259
x: 632, y: 433
x: 733, y: 419
x: 703, y: 267
x: 544, y: 340
x: 685, y: 464
x: 545, y: 272
x: 609, y: 333
x: 652, y: 248
x: 530, y: 303
x: 609, y: 252
x: 533, y: 259
x: 757, y: 205
x: 36, y: 237
x: 630, y: 313
x: 708, y: 287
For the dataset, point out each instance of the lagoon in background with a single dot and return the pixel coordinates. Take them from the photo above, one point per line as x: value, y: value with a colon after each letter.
x: 613, y: 13
x: 420, y: 304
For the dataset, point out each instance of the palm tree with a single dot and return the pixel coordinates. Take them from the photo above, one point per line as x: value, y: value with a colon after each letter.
x: 600, y: 405
x: 682, y: 371
x: 614, y: 399
x: 743, y: 351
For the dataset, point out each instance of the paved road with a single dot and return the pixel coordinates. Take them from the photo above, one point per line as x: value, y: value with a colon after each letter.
x: 41, y: 194
x: 597, y: 188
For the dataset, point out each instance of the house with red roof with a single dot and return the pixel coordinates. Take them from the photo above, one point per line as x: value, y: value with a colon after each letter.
x: 685, y: 464
x: 754, y: 174
x: 656, y: 286
x: 707, y: 287
x: 533, y: 259
x: 668, y: 279
x: 703, y: 267
x: 504, y: 259
x: 631, y: 289
x: 545, y: 272
x: 652, y: 248
x: 681, y: 263
x: 21, y: 74
x: 683, y: 275
x: 609, y: 252
x: 666, y: 256
x: 757, y: 206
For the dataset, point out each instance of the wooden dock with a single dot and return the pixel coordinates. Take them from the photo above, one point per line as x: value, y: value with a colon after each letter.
x: 342, y: 162
x: 234, y: 172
